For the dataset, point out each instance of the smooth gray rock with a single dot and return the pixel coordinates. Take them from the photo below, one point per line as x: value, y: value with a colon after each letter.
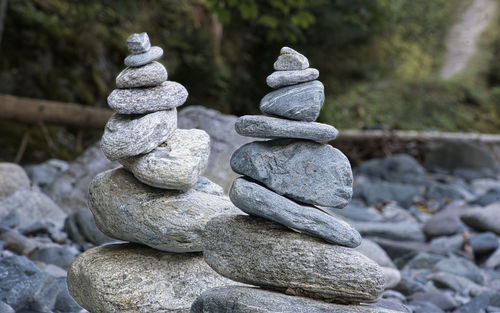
x: 375, y: 252
x: 446, y: 222
x: 259, y: 252
x: 43, y: 174
x: 286, y: 78
x: 301, y: 102
x: 12, y: 179
x: 154, y: 53
x: 5, y: 308
x: 375, y: 193
x: 271, y: 127
x: 61, y: 256
x: 487, y: 219
x: 391, y: 277
x: 480, y: 303
x: 305, y: 171
x: 166, y: 96
x: 175, y: 164
x: 236, y: 299
x: 138, y: 43
x: 167, y: 220
x: 130, y: 135
x: 456, y: 283
x: 397, y: 168
x: 290, y: 59
x: 460, y: 267
x: 440, y: 299
x: 149, y: 75
x: 484, y: 242
x: 132, y: 278
x: 419, y: 306
x: 493, y: 260
x: 81, y: 224
x: 390, y: 230
x: 257, y: 200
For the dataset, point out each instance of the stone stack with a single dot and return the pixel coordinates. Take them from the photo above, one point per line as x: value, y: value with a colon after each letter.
x: 158, y: 201
x: 287, y: 244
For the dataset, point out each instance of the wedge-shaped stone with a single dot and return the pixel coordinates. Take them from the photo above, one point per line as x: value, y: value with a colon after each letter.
x: 131, y: 278
x: 139, y: 59
x: 271, y: 127
x: 259, y: 201
x: 138, y: 43
x: 290, y: 59
x: 298, y: 102
x: 286, y: 78
x: 255, y: 251
x: 129, y: 135
x: 168, y: 95
x: 175, y: 164
x: 167, y: 220
x: 305, y: 171
x: 150, y: 75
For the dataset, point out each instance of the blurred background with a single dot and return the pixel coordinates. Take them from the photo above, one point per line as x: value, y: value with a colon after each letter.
x: 385, y: 64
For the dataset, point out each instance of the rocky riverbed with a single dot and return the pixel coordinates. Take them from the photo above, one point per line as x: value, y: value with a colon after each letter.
x: 435, y: 232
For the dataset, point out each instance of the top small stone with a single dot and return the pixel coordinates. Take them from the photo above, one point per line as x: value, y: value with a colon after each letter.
x: 290, y: 60
x: 138, y: 43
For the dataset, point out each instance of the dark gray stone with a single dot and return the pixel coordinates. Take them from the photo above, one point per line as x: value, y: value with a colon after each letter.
x: 305, y: 171
x: 460, y: 267
x: 138, y: 43
x: 259, y: 201
x: 298, y: 102
x: 149, y: 75
x: 10, y: 219
x: 61, y: 256
x: 398, y: 168
x: 64, y: 301
x: 440, y: 299
x: 487, y: 219
x: 484, y: 242
x: 389, y: 230
x: 408, y: 285
x: 286, y: 78
x: 456, y: 283
x: 480, y: 303
x: 446, y: 222
x: 45, y: 173
x: 271, y: 127
x: 355, y: 211
x: 144, y: 58
x: 491, y: 196
x: 419, y: 306
x: 85, y: 222
x: 423, y: 260
x: 290, y: 59
x: 445, y: 192
x: 493, y: 260
x: 380, y: 192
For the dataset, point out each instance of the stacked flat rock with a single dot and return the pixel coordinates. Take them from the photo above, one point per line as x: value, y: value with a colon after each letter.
x: 287, y: 244
x: 157, y: 199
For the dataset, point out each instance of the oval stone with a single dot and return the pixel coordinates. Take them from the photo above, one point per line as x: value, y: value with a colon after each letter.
x: 149, y: 75
x: 305, y: 171
x: 286, y: 78
x: 259, y: 252
x: 154, y: 53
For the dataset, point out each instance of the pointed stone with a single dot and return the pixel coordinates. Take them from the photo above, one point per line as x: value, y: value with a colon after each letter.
x: 138, y: 43
x: 290, y: 60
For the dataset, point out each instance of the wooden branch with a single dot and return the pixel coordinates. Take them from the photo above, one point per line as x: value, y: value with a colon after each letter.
x: 34, y: 111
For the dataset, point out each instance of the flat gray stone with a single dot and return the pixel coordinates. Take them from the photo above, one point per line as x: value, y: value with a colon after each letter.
x: 132, y: 278
x: 239, y: 299
x: 271, y: 127
x: 138, y: 43
x: 175, y: 164
x: 154, y: 53
x: 12, y: 179
x: 290, y: 59
x: 167, y: 220
x: 305, y: 171
x: 259, y: 201
x: 487, y: 219
x: 286, y: 78
x: 298, y: 102
x: 130, y: 135
x: 255, y: 251
x: 149, y: 75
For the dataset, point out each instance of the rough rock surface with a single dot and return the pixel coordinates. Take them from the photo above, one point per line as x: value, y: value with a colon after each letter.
x: 133, y: 278
x: 175, y: 164
x: 166, y: 96
x: 286, y: 78
x: 257, y: 200
x: 298, y: 102
x: 262, y: 253
x: 290, y: 59
x: 130, y: 135
x: 236, y: 299
x: 271, y: 127
x: 167, y: 220
x: 305, y: 171
x: 138, y: 43
x: 144, y: 58
x: 149, y: 75
x: 12, y: 178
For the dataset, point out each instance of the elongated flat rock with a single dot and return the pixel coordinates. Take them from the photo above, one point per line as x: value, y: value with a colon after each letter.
x: 271, y: 127
x: 168, y: 95
x: 129, y: 135
x: 167, y: 220
x: 131, y: 278
x: 139, y: 59
x: 149, y: 75
x: 305, y: 171
x: 290, y: 59
x: 175, y: 164
x: 286, y: 78
x: 238, y: 299
x: 255, y: 251
x: 300, y: 102
x: 259, y: 201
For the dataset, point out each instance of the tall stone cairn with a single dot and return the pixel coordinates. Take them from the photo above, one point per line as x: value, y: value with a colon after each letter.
x: 301, y: 258
x: 157, y: 201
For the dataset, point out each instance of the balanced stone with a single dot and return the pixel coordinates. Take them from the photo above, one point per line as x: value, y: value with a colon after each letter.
x: 131, y: 278
x: 286, y: 78
x: 129, y: 135
x: 149, y: 75
x: 175, y: 164
x: 271, y: 127
x: 239, y: 299
x: 290, y: 59
x: 259, y: 201
x: 167, y: 220
x: 144, y: 58
x: 298, y: 102
x: 302, y: 170
x: 168, y: 95
x: 255, y: 251
x: 138, y: 43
